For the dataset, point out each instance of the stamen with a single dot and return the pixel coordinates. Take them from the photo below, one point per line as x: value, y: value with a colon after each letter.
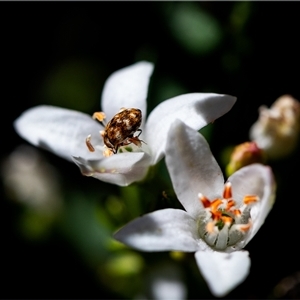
x: 237, y: 212
x: 245, y: 227
x: 214, y: 205
x: 216, y: 215
x: 107, y: 152
x: 227, y: 220
x: 210, y: 227
x: 230, y: 203
x: 227, y: 194
x: 89, y: 144
x: 224, y: 222
x: 204, y: 200
x: 248, y: 199
x: 99, y: 116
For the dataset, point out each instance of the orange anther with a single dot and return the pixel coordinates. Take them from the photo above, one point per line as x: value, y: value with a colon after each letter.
x: 237, y: 212
x: 226, y: 220
x: 250, y: 199
x: 100, y: 116
x: 210, y: 227
x: 245, y: 227
x: 230, y: 203
x: 216, y: 215
x: 214, y: 205
x: 204, y: 200
x: 227, y: 193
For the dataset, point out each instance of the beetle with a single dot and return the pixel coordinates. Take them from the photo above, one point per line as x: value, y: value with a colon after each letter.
x: 120, y: 130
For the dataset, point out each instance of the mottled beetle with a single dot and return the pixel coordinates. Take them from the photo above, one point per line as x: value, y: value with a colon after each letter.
x: 119, y: 131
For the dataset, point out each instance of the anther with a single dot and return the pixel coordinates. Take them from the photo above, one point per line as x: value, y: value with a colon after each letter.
x: 248, y: 199
x: 99, y: 116
x: 204, y: 200
x: 237, y: 212
x: 227, y: 194
x: 245, y: 227
x: 107, y: 152
x: 227, y: 220
x: 214, y: 205
x: 88, y: 143
x: 230, y: 203
x: 210, y: 227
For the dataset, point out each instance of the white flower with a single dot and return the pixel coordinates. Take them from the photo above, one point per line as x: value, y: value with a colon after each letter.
x: 277, y: 129
x: 218, y: 221
x: 65, y: 131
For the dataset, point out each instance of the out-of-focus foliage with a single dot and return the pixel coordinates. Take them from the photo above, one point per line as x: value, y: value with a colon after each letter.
x: 194, y: 28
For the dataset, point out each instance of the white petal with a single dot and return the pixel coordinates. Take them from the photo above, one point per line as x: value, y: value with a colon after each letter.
x: 162, y: 230
x: 121, y: 169
x: 255, y: 179
x: 59, y: 130
x: 192, y: 167
x: 127, y: 88
x: 164, y: 281
x: 223, y: 271
x: 196, y: 110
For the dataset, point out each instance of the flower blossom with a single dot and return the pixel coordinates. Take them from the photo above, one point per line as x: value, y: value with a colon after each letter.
x: 277, y: 129
x: 76, y: 136
x: 219, y: 219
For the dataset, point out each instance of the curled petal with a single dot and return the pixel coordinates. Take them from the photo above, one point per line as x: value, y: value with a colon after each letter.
x: 255, y: 179
x: 121, y: 169
x: 162, y: 230
x: 192, y: 167
x: 196, y: 110
x: 127, y: 88
x: 223, y: 271
x: 59, y: 130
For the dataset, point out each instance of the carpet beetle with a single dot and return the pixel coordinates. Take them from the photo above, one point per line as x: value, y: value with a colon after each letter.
x: 120, y: 130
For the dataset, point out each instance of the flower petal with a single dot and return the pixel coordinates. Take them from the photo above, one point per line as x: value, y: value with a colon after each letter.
x: 121, y: 169
x: 255, y: 179
x: 162, y: 230
x: 196, y: 110
x: 164, y: 281
x: 59, y: 130
x: 223, y: 271
x: 127, y: 88
x: 192, y: 167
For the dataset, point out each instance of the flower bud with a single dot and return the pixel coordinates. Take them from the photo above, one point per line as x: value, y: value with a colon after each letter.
x: 244, y: 154
x: 277, y: 129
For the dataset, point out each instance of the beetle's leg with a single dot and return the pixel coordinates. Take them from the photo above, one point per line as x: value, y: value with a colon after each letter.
x: 115, y: 150
x: 140, y: 132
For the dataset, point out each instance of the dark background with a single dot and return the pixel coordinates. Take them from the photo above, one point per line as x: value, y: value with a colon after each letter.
x: 257, y: 61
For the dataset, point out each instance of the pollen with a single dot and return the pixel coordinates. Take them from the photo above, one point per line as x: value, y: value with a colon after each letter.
x: 225, y: 223
x: 99, y: 116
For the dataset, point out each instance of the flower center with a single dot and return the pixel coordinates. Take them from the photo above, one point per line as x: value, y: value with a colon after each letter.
x: 223, y: 224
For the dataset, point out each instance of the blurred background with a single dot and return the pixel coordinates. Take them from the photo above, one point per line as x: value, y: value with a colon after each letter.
x: 58, y: 224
